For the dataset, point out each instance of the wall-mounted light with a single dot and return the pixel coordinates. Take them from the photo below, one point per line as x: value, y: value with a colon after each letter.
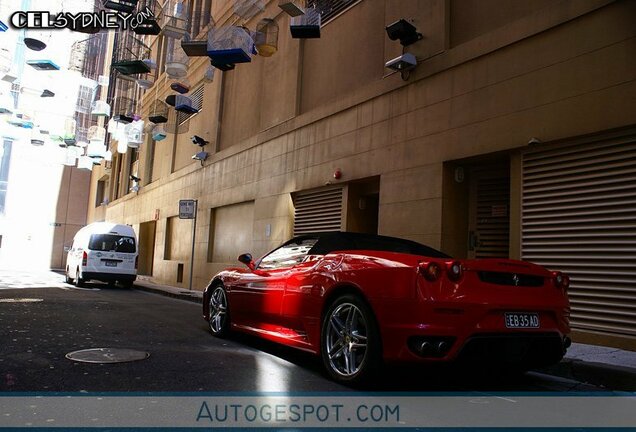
x: 201, y: 156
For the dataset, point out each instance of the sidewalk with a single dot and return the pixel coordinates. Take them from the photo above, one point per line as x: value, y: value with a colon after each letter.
x: 602, y: 366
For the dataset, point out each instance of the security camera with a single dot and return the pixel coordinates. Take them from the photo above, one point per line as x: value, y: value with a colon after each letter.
x: 404, y: 31
x: 135, y: 178
x: 196, y: 139
x: 402, y: 63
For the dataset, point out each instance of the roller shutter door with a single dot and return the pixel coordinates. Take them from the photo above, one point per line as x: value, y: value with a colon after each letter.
x: 318, y: 211
x: 579, y: 216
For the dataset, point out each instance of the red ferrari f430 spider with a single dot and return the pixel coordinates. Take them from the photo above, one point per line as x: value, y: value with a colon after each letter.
x: 360, y: 300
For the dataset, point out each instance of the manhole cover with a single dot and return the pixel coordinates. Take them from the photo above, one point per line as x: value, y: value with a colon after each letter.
x: 107, y: 355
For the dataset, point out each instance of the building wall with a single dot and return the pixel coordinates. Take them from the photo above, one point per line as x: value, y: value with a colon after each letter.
x: 544, y: 69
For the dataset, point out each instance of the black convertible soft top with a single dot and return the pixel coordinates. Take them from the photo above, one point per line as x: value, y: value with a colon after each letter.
x: 336, y: 241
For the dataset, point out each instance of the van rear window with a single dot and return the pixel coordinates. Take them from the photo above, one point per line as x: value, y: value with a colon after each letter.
x: 112, y: 243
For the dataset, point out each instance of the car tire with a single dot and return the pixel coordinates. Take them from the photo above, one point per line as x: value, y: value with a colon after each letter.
x: 350, y: 344
x: 79, y: 281
x: 218, y: 312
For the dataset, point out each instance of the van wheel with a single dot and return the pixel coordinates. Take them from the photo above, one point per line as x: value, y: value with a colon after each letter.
x: 79, y: 281
x: 67, y: 278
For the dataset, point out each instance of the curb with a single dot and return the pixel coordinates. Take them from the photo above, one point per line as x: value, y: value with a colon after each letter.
x: 193, y: 296
x: 605, y: 375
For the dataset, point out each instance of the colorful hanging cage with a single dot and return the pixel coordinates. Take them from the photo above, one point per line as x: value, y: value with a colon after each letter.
x: 266, y: 37
x: 147, y: 11
x: 229, y: 45
x: 126, y: 6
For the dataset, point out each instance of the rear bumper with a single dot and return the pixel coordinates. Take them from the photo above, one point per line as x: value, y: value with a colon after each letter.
x: 440, y: 332
x: 109, y: 277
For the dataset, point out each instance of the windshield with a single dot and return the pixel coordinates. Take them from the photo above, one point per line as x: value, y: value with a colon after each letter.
x: 112, y: 243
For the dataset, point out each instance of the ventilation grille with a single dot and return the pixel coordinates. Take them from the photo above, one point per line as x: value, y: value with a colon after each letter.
x: 197, y: 102
x: 318, y: 211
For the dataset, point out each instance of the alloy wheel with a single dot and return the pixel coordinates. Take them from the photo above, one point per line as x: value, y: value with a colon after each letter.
x: 346, y: 339
x: 218, y: 310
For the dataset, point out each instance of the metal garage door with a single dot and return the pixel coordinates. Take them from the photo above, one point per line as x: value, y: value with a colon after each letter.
x: 318, y: 211
x: 579, y: 216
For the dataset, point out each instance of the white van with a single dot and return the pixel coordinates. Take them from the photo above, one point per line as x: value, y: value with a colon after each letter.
x: 105, y: 252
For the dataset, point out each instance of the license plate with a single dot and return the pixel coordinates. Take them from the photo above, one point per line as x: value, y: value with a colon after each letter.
x: 521, y: 320
x: 110, y: 263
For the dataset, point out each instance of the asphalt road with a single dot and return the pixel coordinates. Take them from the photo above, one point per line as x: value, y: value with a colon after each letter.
x: 43, y: 319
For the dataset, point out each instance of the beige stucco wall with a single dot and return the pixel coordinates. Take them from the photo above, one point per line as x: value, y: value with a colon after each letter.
x: 561, y: 70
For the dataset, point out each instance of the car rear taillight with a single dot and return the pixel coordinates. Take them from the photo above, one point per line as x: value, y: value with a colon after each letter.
x: 430, y: 271
x: 561, y: 280
x: 84, y: 258
x: 454, y: 270
x: 136, y: 262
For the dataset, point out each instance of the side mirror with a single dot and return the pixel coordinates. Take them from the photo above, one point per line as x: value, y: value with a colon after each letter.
x: 67, y: 248
x: 247, y: 260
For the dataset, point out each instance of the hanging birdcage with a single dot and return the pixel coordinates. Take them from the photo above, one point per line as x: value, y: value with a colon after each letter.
x: 177, y: 60
x: 208, y: 75
x: 6, y: 61
x: 306, y: 26
x: 70, y: 126
x: 195, y: 41
x: 266, y: 37
x: 125, y: 6
x: 7, y: 105
x: 184, y: 104
x: 135, y: 133
x: 158, y: 112
x: 248, y: 9
x: 181, y: 86
x: 147, y: 11
x: 37, y: 138
x: 96, y: 150
x: 85, y: 163
x: 124, y: 104
x: 159, y: 133
x: 292, y: 7
x: 173, y: 19
x: 86, y: 95
x: 36, y: 39
x: 101, y: 109
x: 129, y: 54
x: 96, y: 134
x: 229, y: 45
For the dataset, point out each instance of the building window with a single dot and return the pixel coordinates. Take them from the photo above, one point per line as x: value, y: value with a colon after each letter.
x: 329, y: 9
x: 133, y: 167
x: 231, y: 232
x: 100, y: 194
